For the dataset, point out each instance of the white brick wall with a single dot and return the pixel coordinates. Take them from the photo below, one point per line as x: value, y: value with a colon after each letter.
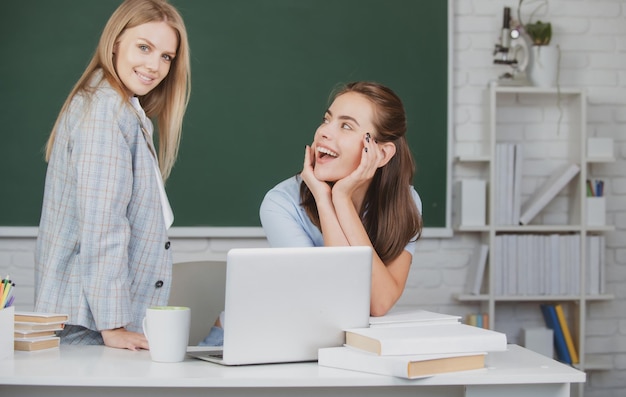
x: 592, y: 36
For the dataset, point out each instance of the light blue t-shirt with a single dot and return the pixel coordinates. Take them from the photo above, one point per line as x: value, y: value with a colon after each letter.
x: 286, y: 223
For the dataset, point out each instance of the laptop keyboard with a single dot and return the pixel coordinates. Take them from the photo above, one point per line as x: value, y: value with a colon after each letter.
x: 214, y: 354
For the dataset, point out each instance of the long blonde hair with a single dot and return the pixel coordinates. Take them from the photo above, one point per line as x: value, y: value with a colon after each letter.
x: 168, y: 101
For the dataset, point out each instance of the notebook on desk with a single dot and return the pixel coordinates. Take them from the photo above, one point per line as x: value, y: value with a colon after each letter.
x: 283, y: 304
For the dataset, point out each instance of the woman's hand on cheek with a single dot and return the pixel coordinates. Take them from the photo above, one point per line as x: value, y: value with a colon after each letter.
x: 371, y: 156
x: 316, y: 186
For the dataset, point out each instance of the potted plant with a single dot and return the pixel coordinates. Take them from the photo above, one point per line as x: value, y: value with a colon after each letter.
x: 543, y: 62
x: 540, y: 33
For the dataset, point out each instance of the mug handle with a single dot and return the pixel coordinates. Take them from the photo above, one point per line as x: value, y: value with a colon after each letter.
x: 144, y: 326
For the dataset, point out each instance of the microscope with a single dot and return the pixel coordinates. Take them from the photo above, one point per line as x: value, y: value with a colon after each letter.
x: 513, y: 51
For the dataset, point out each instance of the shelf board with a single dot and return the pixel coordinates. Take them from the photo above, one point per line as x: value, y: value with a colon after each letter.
x: 601, y: 228
x: 532, y: 298
x: 600, y: 297
x: 537, y: 228
x: 534, y: 228
x: 473, y: 158
x: 600, y: 159
x: 596, y: 362
x: 538, y: 90
x: 471, y: 298
x: 470, y: 228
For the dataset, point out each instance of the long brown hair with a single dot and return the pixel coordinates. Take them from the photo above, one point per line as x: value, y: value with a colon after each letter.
x: 389, y: 214
x: 168, y: 101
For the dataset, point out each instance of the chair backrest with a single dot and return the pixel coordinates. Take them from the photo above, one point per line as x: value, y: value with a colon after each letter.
x: 201, y: 287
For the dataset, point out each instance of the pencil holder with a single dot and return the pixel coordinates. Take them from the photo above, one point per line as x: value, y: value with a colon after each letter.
x: 596, y: 211
x: 7, y: 325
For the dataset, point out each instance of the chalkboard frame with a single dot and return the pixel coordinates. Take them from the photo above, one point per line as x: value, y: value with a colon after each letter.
x: 255, y: 231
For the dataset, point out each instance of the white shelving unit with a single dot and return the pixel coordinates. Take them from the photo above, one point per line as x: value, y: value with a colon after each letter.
x: 552, y: 124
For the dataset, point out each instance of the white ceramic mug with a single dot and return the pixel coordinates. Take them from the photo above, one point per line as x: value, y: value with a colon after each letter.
x: 167, y: 331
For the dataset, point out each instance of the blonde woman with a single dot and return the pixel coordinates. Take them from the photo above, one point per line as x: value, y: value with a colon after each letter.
x: 103, y: 254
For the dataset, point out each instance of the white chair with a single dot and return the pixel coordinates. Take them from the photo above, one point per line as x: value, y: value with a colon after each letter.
x: 199, y: 286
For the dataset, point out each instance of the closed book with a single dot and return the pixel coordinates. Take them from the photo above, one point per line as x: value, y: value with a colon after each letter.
x: 402, y: 318
x: 593, y: 265
x: 567, y: 335
x: 470, y: 202
x: 21, y: 334
x: 552, y: 322
x: 426, y: 339
x: 547, y: 191
x: 31, y: 344
x: 517, y: 182
x: 38, y: 326
x: 37, y: 317
x: 410, y: 367
x: 476, y: 269
x: 485, y: 320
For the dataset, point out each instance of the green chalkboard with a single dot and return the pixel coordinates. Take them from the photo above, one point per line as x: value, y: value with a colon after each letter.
x: 262, y: 71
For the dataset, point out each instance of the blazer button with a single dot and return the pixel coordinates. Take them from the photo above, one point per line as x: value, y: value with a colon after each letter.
x: 167, y: 245
x: 158, y: 284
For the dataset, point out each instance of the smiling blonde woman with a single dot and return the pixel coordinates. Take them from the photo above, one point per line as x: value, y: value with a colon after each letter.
x: 103, y: 254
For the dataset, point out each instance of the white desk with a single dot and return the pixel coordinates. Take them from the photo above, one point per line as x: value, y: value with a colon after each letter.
x: 98, y: 370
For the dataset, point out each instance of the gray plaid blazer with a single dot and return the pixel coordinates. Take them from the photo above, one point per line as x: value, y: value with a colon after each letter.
x: 102, y: 254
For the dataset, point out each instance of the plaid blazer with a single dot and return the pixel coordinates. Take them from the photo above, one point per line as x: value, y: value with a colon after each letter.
x: 102, y: 254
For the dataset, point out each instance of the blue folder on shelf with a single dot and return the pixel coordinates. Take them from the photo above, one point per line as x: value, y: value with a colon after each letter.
x: 552, y: 322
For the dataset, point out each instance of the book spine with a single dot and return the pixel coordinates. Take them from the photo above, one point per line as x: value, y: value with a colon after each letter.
x: 551, y: 187
x: 485, y: 320
x: 444, y: 345
x: 476, y: 273
x: 552, y: 322
x: 344, y: 358
x: 571, y: 348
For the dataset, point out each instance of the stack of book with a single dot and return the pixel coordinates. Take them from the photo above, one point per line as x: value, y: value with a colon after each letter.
x: 540, y: 264
x: 37, y: 331
x: 413, y: 345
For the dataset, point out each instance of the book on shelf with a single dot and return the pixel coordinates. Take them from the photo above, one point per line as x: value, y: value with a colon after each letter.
x: 425, y: 339
x: 595, y: 265
x: 500, y: 182
x: 476, y: 269
x: 547, y: 191
x: 510, y: 280
x: 401, y: 318
x: 37, y: 317
x: 601, y: 264
x: 498, y: 265
x: 470, y: 202
x: 404, y: 366
x: 480, y: 320
x: 32, y: 344
x: 552, y: 322
x: 508, y: 176
x: 567, y: 335
x: 516, y: 202
x: 508, y: 183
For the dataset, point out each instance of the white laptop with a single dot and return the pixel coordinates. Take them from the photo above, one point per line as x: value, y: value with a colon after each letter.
x: 283, y: 304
